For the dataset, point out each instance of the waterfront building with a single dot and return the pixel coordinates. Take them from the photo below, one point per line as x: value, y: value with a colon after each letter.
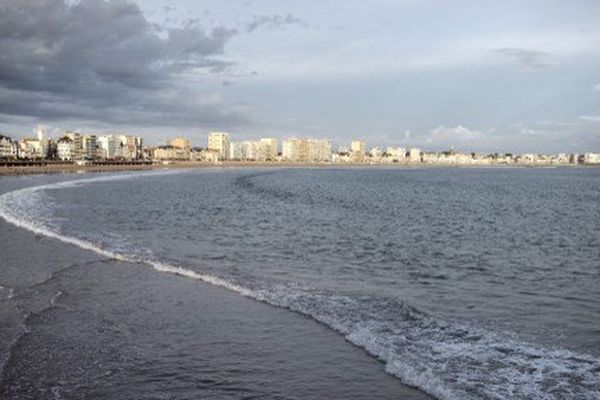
x: 317, y: 150
x: 574, y: 158
x: 180, y: 143
x: 219, y: 143
x: 396, y: 153
x: 77, y: 144
x: 375, y: 154
x: 591, y: 158
x: 131, y: 147
x: 110, y: 147
x: 306, y: 150
x: 270, y: 148
x: 8, y: 148
x: 250, y: 150
x: 31, y: 148
x: 358, y: 149
x: 414, y: 155
x: 65, y: 149
x: 88, y: 146
x: 170, y: 153
x: 290, y: 150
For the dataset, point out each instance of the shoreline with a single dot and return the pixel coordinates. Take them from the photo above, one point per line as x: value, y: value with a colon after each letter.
x: 104, y: 168
x: 80, y: 295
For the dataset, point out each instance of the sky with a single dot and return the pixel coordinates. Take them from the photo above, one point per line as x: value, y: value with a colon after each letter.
x: 485, y: 76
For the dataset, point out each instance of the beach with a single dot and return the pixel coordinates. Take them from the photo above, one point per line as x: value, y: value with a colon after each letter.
x: 79, y: 325
x: 301, y: 283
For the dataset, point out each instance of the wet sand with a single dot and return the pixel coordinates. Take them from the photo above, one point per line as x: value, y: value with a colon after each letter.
x: 76, y: 325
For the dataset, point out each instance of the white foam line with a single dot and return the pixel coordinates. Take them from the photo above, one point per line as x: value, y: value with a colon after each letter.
x: 424, y: 380
x: 406, y: 378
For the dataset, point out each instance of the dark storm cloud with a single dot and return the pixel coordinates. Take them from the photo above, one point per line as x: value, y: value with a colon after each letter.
x: 274, y: 21
x: 529, y: 58
x: 79, y: 60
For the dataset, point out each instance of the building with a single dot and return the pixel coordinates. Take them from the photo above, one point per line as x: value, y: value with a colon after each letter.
x: 131, y: 147
x: 319, y: 150
x: 591, y: 158
x: 110, y: 147
x: 306, y: 150
x: 88, y: 147
x: 250, y: 150
x: 414, y: 155
x: 270, y: 147
x: 77, y: 144
x: 170, y: 153
x: 180, y: 143
x: 31, y: 148
x: 65, y: 149
x: 290, y: 150
x: 358, y: 150
x: 219, y: 143
x: 397, y: 154
x: 375, y: 154
x: 8, y: 148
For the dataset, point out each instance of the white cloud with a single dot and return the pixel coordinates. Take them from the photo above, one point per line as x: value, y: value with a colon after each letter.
x: 597, y: 87
x: 590, y: 118
x: 460, y: 137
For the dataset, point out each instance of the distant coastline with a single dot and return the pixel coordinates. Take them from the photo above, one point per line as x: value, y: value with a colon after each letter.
x: 34, y: 168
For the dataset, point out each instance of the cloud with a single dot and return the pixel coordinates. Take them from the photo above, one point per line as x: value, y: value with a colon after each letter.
x: 590, y: 118
x: 460, y: 137
x: 597, y: 87
x: 103, y: 60
x: 274, y: 21
x: 529, y: 58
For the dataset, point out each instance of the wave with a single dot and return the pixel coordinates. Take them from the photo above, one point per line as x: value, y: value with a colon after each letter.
x: 444, y: 359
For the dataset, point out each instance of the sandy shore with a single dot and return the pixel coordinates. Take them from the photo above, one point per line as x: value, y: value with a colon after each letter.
x: 72, y: 168
x: 76, y: 325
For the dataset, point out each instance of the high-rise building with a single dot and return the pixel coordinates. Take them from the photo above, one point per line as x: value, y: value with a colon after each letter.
x: 396, y: 153
x: 8, y: 148
x: 414, y: 155
x: 88, y: 146
x: 270, y: 145
x: 110, y: 146
x: 306, y: 150
x: 218, y: 142
x: 291, y: 149
x: 180, y: 143
x: 65, y: 148
x: 359, y: 150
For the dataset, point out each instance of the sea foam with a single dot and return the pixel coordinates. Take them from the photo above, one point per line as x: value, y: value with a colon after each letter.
x: 447, y: 360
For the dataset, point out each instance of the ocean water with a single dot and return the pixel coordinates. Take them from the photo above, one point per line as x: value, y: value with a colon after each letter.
x: 465, y: 283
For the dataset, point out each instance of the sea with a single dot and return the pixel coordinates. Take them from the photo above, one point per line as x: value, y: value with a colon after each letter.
x: 465, y: 283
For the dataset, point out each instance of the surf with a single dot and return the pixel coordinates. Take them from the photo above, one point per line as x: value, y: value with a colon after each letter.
x: 412, y: 345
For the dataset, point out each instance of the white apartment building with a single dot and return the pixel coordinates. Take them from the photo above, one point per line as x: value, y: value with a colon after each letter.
x: 271, y: 151
x: 88, y: 146
x: 219, y: 143
x: 8, y: 148
x: 32, y: 148
x: 290, y: 150
x: 110, y: 146
x: 249, y: 150
x: 396, y: 153
x: 306, y: 150
x: 131, y: 147
x: 359, y: 150
x: 414, y: 155
x: 591, y: 158
x: 317, y: 150
x: 65, y: 149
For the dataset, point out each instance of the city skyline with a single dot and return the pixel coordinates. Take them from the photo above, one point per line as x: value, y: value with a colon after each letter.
x: 510, y: 77
x: 84, y: 148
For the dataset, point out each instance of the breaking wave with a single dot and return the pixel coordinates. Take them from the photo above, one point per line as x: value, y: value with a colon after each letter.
x: 444, y: 359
